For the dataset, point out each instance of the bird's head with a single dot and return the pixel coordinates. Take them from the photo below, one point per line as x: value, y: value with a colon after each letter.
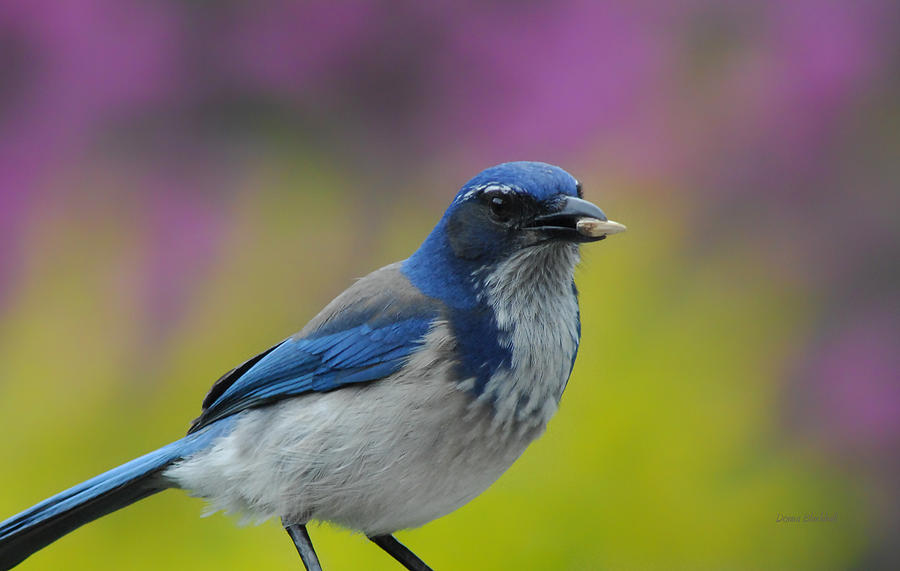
x: 502, y: 211
x: 519, y: 205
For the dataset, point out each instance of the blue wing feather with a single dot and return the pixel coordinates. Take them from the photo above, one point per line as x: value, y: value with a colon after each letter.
x: 367, y: 333
x: 318, y: 363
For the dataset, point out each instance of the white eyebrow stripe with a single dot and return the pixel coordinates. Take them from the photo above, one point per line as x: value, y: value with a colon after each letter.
x: 487, y: 187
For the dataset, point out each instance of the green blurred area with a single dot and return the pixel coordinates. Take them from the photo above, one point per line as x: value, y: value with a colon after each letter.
x: 667, y: 452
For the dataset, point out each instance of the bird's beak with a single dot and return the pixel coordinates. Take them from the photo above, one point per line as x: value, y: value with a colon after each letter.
x: 576, y: 220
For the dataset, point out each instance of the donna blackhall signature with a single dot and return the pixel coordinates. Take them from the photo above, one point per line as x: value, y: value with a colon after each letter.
x: 822, y: 517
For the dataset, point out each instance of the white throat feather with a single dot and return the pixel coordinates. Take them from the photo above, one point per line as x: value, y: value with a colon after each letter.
x: 536, y: 309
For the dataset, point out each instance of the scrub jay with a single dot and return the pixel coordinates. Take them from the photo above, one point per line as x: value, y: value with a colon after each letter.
x: 403, y: 399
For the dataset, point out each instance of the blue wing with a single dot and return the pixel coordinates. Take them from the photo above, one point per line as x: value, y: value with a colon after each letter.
x: 358, y: 338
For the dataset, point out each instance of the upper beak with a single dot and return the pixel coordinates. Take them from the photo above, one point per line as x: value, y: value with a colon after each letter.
x: 577, y: 220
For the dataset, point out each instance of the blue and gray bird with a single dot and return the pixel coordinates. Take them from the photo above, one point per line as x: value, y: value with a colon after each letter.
x: 403, y: 399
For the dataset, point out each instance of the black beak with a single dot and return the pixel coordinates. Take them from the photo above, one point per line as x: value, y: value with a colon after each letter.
x: 576, y: 220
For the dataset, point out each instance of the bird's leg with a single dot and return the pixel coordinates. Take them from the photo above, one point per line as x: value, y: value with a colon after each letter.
x: 304, y: 545
x: 400, y: 552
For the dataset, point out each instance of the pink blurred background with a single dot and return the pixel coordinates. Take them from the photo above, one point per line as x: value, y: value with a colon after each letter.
x: 157, y: 157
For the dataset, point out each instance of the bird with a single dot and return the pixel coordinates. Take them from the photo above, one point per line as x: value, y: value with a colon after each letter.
x: 406, y: 397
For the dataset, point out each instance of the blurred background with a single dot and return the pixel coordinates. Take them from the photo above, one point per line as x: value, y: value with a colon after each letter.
x: 182, y: 184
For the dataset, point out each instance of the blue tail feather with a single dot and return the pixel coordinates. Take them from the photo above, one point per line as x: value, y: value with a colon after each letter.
x: 44, y: 523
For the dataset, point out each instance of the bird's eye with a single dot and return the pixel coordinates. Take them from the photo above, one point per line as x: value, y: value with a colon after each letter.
x: 503, y: 208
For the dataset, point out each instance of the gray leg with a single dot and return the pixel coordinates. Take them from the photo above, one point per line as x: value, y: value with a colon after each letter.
x: 304, y: 545
x: 400, y: 552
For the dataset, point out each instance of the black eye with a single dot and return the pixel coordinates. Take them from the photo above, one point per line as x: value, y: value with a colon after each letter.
x: 503, y: 208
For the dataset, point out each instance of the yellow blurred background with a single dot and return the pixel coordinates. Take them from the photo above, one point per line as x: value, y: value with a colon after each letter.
x: 182, y: 184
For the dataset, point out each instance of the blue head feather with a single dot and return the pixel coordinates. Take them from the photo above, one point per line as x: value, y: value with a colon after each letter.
x: 540, y: 180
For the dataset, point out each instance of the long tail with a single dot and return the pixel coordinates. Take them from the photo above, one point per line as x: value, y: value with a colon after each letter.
x: 44, y: 523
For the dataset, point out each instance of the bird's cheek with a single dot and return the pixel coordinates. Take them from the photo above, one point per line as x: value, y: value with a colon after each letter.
x: 468, y: 240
